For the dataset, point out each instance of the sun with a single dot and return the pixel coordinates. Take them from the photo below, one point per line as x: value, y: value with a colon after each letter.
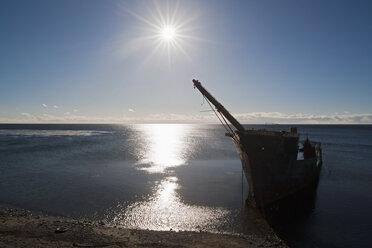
x: 168, y: 33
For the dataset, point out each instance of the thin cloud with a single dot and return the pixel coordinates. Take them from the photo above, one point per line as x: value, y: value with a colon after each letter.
x: 27, y: 117
x: 55, y: 106
x: 131, y: 110
x: 300, y: 118
x: 44, y: 105
x: 244, y: 118
x: 267, y: 117
x: 27, y: 114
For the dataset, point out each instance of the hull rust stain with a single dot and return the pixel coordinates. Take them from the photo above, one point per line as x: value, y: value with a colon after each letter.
x: 273, y: 162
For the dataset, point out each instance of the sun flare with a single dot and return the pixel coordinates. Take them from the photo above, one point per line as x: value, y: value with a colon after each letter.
x: 168, y: 33
x: 166, y: 30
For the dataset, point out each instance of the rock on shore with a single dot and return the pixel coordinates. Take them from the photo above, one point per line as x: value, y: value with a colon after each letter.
x: 21, y: 229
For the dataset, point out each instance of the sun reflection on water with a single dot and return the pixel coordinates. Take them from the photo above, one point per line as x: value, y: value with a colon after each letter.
x: 165, y: 146
x: 165, y: 211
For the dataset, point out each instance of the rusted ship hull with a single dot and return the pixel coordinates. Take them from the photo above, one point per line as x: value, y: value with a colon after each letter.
x: 270, y: 158
x: 270, y: 164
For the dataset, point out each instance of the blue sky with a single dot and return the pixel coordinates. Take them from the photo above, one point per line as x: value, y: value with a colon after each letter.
x: 266, y: 61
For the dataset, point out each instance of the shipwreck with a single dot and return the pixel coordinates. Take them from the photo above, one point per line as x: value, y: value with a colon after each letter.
x: 275, y: 163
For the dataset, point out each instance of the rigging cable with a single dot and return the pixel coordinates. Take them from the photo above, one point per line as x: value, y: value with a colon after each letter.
x: 230, y: 131
x: 242, y: 188
x: 216, y: 114
x: 227, y: 124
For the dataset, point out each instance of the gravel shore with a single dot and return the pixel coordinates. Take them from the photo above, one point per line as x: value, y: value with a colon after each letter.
x: 22, y: 229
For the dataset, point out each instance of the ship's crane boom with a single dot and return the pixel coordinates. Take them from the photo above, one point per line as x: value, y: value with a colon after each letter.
x: 220, y: 108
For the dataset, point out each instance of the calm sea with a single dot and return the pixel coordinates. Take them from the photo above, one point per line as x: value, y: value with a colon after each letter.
x: 180, y: 177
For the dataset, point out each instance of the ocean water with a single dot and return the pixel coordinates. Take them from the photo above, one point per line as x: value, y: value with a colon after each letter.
x: 180, y: 177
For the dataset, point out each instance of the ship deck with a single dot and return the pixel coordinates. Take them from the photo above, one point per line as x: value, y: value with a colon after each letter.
x: 270, y: 133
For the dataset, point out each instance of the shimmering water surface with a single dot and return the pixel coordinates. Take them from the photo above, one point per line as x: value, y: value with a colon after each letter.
x: 180, y: 177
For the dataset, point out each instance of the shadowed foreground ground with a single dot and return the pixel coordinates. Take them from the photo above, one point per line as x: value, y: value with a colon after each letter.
x: 21, y: 229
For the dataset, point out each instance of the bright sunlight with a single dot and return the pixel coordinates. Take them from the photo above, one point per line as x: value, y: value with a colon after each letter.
x: 167, y: 30
x: 168, y: 33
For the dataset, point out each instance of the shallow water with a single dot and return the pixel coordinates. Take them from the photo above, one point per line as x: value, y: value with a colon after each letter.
x: 180, y: 177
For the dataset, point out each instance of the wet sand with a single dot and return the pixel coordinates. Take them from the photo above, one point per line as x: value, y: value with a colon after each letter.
x: 20, y: 228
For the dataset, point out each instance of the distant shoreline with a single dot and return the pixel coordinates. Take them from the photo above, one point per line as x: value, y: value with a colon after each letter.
x: 196, y: 123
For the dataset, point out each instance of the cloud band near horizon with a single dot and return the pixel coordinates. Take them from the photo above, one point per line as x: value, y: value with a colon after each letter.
x: 244, y: 118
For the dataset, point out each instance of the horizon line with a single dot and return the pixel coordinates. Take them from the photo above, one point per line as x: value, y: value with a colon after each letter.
x: 188, y: 123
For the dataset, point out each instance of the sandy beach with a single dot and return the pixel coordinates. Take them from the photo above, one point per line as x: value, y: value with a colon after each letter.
x: 19, y: 228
